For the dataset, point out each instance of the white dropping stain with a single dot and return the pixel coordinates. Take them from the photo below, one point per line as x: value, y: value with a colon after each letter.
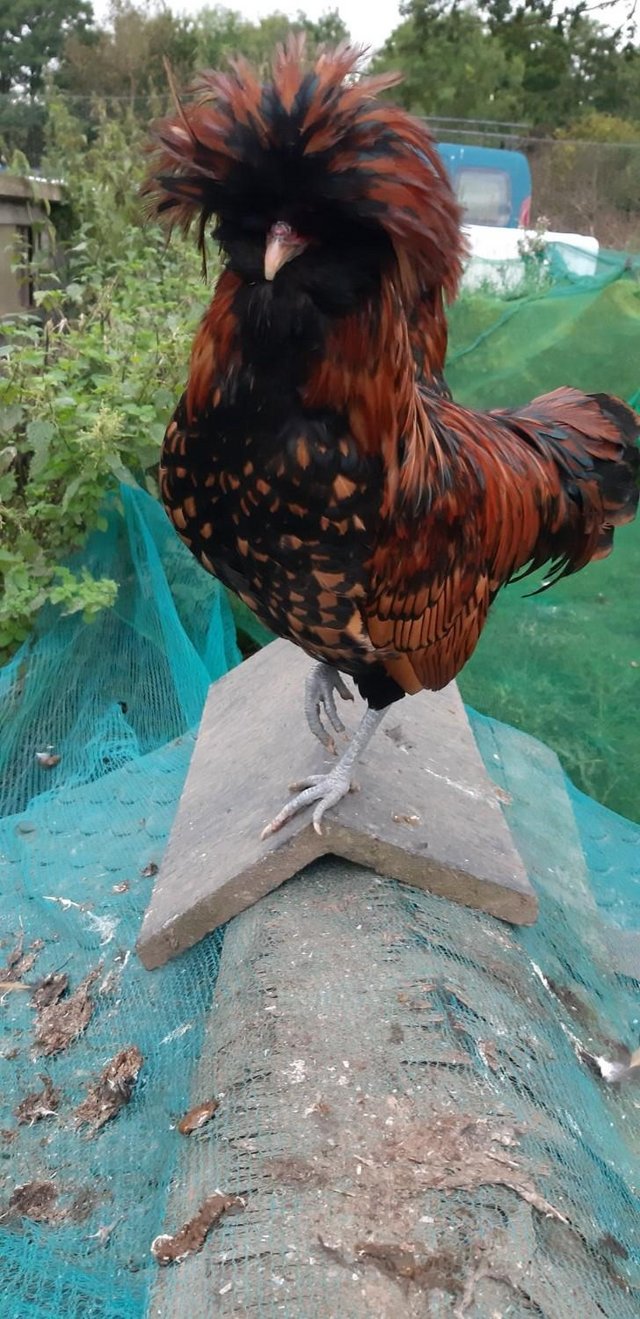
x: 175, y: 1034
x: 65, y: 903
x: 461, y: 787
x: 105, y: 926
x: 542, y: 978
x: 296, y: 1072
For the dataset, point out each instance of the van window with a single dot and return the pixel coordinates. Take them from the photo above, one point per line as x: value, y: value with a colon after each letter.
x: 485, y: 196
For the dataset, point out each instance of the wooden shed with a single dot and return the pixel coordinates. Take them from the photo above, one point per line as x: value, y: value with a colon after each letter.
x: 24, y: 204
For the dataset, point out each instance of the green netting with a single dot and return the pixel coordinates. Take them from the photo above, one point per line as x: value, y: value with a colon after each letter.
x: 119, y: 702
x: 564, y: 665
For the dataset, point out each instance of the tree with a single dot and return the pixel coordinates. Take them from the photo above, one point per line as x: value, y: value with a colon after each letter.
x: 125, y: 60
x: 524, y: 60
x: 33, y: 35
x: 451, y: 64
x: 222, y: 32
x: 570, y: 62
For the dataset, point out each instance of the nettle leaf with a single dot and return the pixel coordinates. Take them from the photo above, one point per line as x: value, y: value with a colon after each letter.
x: 8, y: 456
x: 8, y: 559
x: 10, y: 417
x: 39, y: 436
x: 70, y: 492
x: 163, y: 400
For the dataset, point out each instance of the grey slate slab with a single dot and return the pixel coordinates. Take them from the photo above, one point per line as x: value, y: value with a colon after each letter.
x: 426, y: 814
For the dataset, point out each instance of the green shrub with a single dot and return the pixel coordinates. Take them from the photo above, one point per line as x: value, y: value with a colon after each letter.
x: 87, y: 386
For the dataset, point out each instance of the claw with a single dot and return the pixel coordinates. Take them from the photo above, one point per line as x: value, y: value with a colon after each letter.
x: 320, y: 702
x: 309, y: 782
x: 325, y: 789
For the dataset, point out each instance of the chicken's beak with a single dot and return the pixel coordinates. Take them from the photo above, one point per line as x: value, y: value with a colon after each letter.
x: 282, y: 245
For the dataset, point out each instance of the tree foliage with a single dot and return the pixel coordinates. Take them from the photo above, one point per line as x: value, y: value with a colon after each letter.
x: 521, y: 61
x: 125, y: 59
x: 525, y: 60
x: 450, y: 64
x: 34, y: 34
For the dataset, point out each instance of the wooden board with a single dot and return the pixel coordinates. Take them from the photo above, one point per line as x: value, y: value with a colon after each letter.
x: 426, y: 813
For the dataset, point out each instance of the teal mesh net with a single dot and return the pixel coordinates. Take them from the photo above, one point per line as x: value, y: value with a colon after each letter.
x: 118, y: 702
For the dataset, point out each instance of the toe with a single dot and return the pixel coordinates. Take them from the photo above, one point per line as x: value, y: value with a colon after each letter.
x: 342, y: 689
x: 308, y: 795
x: 331, y: 712
x: 317, y: 727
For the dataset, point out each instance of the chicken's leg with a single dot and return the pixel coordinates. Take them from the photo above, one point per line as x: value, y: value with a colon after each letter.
x: 319, y: 700
x: 328, y: 789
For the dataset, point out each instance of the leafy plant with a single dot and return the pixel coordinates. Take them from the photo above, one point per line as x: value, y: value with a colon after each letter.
x: 87, y: 385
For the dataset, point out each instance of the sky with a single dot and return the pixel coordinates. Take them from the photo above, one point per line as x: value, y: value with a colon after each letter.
x: 368, y: 21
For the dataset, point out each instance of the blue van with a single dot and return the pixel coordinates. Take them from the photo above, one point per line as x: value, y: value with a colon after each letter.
x: 493, y: 186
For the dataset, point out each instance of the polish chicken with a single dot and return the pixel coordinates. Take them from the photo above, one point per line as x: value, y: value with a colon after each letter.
x: 316, y: 462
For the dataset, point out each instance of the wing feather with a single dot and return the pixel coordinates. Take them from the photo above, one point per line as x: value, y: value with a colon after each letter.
x: 522, y: 489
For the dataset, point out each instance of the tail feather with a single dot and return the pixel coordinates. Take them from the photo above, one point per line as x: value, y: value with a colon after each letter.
x: 620, y: 479
x: 593, y: 441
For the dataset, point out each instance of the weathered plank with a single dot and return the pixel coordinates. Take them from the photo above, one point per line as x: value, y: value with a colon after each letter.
x: 427, y: 812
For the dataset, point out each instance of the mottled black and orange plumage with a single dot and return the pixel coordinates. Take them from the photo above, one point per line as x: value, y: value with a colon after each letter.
x: 316, y: 462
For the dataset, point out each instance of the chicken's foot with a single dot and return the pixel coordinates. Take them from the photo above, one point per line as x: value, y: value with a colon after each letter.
x: 328, y: 789
x: 319, y: 701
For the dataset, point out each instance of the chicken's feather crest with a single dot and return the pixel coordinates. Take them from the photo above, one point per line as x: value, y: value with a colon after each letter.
x: 314, y: 131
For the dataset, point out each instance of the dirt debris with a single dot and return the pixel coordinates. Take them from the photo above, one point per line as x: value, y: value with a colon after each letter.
x: 291, y: 1170
x: 191, y: 1238
x: 198, y: 1116
x: 440, y: 1271
x: 40, y: 1200
x: 149, y: 870
x: 624, y: 1067
x: 83, y: 1203
x: 502, y: 795
x: 488, y: 1053
x: 35, y: 1200
x: 39, y: 1104
x: 112, y: 1090
x: 615, y: 1247
x: 483, y: 1271
x: 458, y: 1151
x: 49, y: 990
x: 397, y: 735
x: 65, y: 1018
x: 19, y: 963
